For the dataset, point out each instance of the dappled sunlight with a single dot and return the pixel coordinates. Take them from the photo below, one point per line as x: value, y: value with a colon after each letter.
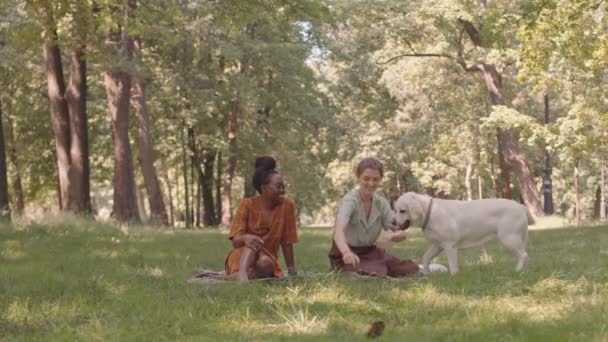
x: 95, y: 288
x: 485, y: 258
x: 549, y: 222
x: 106, y: 253
x: 152, y: 271
x: 426, y: 293
x: 101, y: 282
x: 553, y: 286
x: 12, y: 250
x: 297, y: 320
x: 524, y: 308
x: 24, y: 312
x: 114, y: 288
x: 332, y: 294
x: 92, y: 330
x: 286, y: 320
x: 559, y: 297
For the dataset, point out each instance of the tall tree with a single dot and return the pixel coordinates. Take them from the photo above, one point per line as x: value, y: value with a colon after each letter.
x: 209, y: 218
x: 68, y: 105
x: 144, y: 139
x: 231, y: 132
x: 187, y: 217
x: 5, y: 212
x: 79, y: 138
x: 59, y: 110
x: 547, y: 179
x: 117, y: 82
x: 509, y: 152
x: 76, y: 97
x: 17, y: 195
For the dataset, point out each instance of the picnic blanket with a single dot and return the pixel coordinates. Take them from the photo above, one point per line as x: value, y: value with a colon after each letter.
x: 207, y: 277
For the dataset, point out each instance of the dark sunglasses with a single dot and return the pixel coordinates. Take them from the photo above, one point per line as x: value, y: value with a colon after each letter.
x: 280, y: 186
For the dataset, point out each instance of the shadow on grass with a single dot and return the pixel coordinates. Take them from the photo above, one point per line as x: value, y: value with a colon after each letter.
x: 300, y: 314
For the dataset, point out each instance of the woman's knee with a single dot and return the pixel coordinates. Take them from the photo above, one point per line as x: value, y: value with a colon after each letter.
x: 401, y: 268
x: 264, y: 266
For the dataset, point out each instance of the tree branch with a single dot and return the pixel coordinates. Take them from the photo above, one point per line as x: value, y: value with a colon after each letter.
x: 471, y: 31
x: 416, y: 55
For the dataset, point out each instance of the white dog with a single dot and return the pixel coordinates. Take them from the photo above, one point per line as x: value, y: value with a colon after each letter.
x: 450, y: 225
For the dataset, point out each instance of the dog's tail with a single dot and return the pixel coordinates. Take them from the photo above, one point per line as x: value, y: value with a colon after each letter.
x: 531, y: 219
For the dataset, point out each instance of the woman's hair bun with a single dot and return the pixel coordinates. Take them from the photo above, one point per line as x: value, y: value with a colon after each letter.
x: 265, y: 163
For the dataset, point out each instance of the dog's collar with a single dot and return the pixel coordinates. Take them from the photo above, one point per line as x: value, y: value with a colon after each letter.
x: 428, y: 215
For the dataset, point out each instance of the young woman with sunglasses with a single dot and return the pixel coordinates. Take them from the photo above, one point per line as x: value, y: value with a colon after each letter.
x: 261, y: 225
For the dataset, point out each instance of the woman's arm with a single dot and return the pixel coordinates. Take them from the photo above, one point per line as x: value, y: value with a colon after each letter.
x: 249, y: 240
x: 239, y: 232
x: 340, y: 238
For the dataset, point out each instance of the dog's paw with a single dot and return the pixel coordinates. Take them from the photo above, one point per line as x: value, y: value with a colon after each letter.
x: 433, y: 268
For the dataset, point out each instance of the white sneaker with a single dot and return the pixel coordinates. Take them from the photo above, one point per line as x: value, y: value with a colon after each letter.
x: 434, y: 268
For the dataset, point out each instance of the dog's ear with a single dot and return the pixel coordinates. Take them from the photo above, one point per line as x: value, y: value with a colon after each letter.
x: 415, y: 206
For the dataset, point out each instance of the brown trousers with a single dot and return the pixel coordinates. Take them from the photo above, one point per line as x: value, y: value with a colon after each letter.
x: 373, y: 261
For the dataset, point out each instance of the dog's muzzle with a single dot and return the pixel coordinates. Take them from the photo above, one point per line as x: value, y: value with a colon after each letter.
x: 405, y: 225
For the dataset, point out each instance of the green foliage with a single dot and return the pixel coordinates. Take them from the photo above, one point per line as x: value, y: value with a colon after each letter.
x: 338, y: 81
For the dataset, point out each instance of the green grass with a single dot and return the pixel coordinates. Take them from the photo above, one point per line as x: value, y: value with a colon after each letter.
x: 90, y: 282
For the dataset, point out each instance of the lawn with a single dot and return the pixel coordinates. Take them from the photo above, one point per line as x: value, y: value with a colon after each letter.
x: 92, y: 282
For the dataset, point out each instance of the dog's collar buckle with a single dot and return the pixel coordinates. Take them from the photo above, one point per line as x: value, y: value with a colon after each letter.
x: 428, y: 215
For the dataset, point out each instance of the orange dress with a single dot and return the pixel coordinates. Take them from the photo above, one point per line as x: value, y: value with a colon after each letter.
x: 282, y: 230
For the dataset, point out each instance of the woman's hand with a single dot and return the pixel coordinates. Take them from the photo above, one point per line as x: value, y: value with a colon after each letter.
x: 398, y: 236
x: 350, y: 258
x: 253, y: 241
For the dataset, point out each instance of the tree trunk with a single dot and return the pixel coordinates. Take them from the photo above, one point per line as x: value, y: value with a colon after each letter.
x: 547, y: 179
x: 195, y: 161
x: 5, y: 209
x: 118, y: 90
x: 209, y: 217
x: 231, y: 164
x: 577, y: 201
x: 596, y: 203
x: 509, y: 153
x: 169, y: 208
x: 518, y: 163
x: 17, y: 198
x: 603, y: 192
x: 480, y: 187
x: 218, y: 188
x: 194, y: 183
x: 141, y: 206
x: 158, y: 214
x: 176, y: 210
x: 197, y: 213
x: 185, y: 175
x: 79, y: 148
x: 493, y: 179
x: 248, y: 189
x: 60, y: 117
x: 505, y: 177
x: 68, y: 115
x: 467, y: 180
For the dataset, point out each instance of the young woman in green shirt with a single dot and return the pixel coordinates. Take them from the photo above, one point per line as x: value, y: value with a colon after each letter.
x: 361, y: 215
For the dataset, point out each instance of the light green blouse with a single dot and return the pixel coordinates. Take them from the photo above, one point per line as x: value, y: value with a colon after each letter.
x: 360, y: 231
